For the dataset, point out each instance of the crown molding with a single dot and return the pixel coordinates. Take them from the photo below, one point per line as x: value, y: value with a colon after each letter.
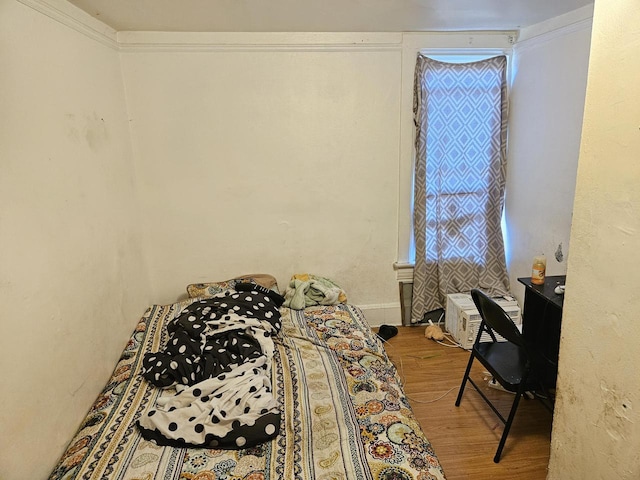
x: 531, y: 42
x: 575, y: 21
x: 66, y: 14
x: 71, y: 16
x: 455, y: 41
x: 252, y: 42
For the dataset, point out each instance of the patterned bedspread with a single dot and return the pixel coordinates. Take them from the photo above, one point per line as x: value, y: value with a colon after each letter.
x: 343, y: 412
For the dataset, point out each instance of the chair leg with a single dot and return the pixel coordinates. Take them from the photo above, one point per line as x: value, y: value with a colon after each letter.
x: 464, y: 380
x: 507, y: 426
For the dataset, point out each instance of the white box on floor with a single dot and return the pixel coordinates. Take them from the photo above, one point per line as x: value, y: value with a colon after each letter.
x: 462, y: 319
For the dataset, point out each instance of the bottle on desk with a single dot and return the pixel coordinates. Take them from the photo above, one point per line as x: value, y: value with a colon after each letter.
x: 538, y: 270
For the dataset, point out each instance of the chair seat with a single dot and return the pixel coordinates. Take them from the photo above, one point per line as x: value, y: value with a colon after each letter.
x: 504, y: 360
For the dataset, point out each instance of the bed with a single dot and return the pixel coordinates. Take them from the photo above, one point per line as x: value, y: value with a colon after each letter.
x: 331, y: 403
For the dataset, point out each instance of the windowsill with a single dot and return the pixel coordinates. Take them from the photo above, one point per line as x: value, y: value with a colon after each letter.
x: 404, y: 272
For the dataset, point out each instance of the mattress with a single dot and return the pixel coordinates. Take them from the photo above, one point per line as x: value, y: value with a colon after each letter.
x: 343, y: 412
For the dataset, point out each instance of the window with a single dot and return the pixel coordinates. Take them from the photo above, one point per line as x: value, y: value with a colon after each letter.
x: 460, y: 114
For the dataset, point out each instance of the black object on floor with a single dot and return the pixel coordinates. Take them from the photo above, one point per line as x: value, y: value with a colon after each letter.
x: 433, y: 316
x: 385, y: 332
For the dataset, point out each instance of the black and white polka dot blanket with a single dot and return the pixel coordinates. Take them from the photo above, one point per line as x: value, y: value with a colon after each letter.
x: 218, y: 358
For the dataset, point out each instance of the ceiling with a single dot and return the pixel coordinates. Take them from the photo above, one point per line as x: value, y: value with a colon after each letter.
x: 324, y: 15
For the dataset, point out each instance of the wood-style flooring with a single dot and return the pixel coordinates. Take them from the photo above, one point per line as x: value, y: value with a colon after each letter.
x: 465, y: 438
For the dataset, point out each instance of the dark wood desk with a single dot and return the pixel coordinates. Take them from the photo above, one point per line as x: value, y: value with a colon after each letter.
x: 542, y: 318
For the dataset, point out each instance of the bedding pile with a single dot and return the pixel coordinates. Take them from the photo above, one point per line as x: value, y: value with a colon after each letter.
x: 218, y: 358
x: 307, y: 290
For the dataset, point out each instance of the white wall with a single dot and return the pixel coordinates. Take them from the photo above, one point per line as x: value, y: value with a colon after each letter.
x: 595, y: 430
x: 280, y: 159
x: 280, y: 153
x: 72, y: 283
x: 545, y: 120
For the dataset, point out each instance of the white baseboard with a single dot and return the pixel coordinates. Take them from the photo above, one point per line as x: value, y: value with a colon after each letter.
x: 382, y: 314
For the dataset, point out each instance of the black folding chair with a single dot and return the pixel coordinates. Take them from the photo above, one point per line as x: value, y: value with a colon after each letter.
x: 512, y: 363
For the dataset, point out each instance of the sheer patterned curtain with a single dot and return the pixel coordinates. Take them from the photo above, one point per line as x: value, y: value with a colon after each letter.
x: 460, y: 112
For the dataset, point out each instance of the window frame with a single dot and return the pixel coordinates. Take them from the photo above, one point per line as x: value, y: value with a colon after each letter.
x: 456, y: 55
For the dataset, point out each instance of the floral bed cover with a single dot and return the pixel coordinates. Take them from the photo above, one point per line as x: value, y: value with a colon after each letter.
x: 343, y: 412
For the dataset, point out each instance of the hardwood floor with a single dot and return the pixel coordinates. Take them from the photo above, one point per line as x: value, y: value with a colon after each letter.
x: 465, y: 438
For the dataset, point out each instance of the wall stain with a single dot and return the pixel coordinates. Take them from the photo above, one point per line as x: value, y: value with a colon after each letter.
x: 615, y: 414
x: 95, y: 132
x: 90, y: 129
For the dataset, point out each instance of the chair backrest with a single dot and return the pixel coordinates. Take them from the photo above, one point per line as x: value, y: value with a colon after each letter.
x: 496, y: 318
